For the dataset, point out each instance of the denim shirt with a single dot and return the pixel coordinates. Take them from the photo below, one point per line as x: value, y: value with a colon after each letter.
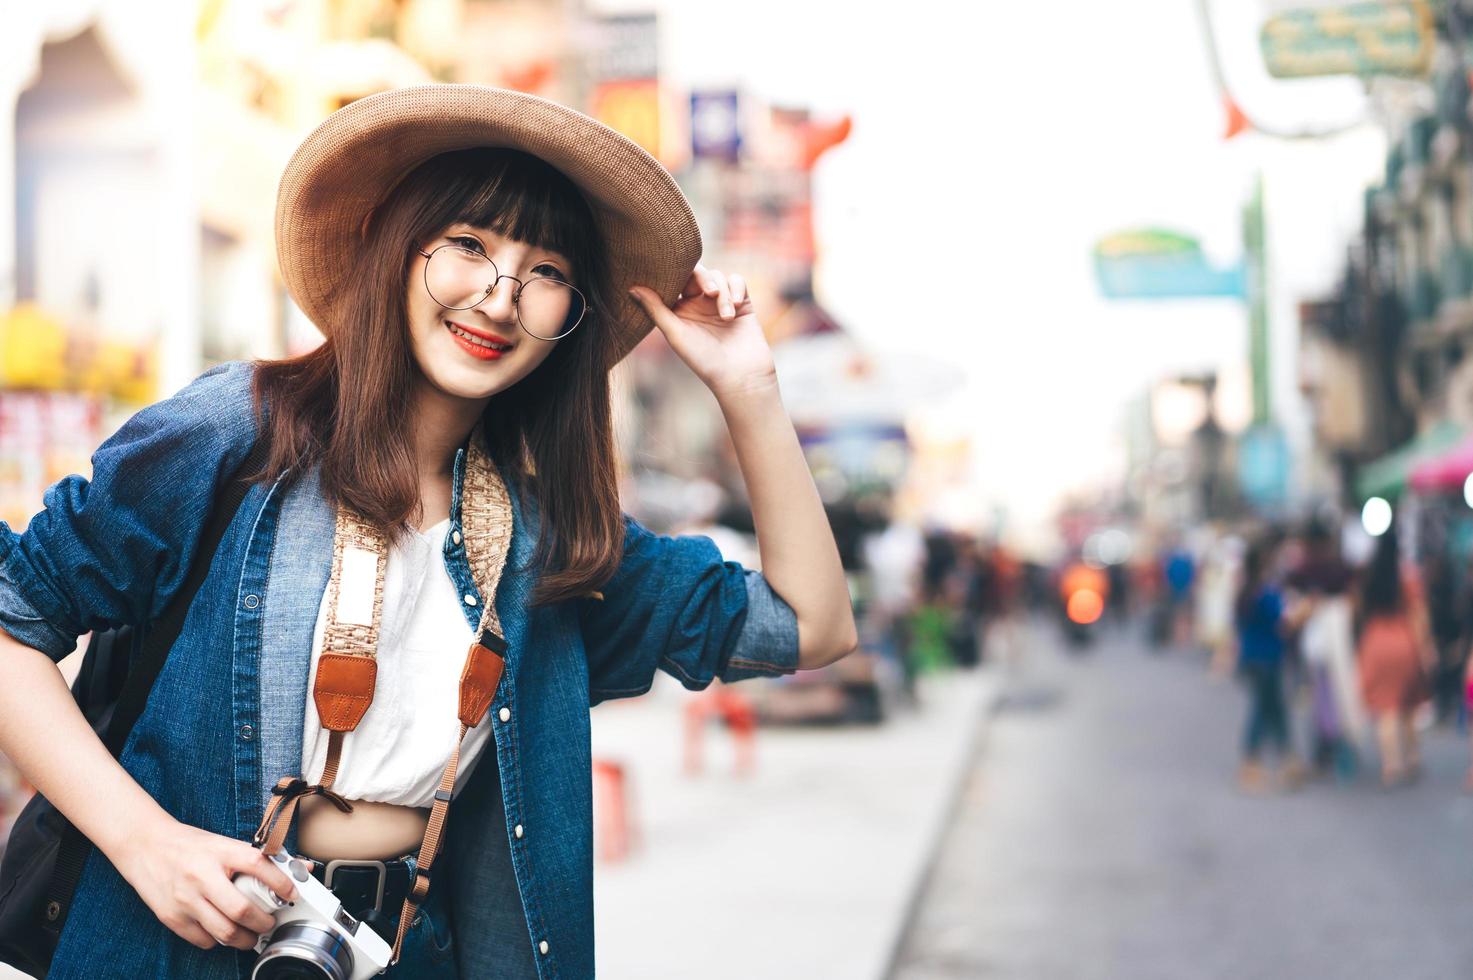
x: 224, y: 720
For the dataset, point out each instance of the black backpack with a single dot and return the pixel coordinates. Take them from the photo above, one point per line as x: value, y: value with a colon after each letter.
x: 44, y: 858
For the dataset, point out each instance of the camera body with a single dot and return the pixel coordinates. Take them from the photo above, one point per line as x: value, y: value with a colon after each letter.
x: 314, y: 935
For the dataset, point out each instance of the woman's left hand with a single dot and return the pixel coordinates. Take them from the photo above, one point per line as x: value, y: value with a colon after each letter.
x: 713, y: 327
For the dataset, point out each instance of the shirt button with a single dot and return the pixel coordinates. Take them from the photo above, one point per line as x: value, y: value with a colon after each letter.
x: 455, y: 536
x: 252, y: 601
x: 470, y: 600
x: 518, y: 831
x: 542, y: 947
x: 504, y: 714
x: 246, y: 732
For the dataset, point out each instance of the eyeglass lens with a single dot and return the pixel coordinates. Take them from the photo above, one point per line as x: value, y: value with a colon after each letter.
x: 459, y: 278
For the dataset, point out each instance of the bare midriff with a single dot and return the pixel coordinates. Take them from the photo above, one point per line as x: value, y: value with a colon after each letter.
x: 372, y: 832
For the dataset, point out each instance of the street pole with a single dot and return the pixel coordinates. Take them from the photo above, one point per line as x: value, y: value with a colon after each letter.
x: 1256, y: 262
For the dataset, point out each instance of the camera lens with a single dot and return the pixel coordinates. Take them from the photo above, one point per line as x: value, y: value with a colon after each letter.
x: 299, y: 951
x: 285, y: 969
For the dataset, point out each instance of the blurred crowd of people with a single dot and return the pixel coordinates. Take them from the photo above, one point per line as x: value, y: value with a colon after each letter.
x: 1344, y: 658
x: 937, y: 599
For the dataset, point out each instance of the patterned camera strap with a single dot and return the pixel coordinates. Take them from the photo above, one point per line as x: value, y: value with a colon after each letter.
x: 346, y: 668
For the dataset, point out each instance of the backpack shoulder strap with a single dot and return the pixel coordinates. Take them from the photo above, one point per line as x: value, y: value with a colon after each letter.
x: 73, y: 847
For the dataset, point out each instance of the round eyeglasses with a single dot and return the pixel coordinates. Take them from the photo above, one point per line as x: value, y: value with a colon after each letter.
x: 460, y: 278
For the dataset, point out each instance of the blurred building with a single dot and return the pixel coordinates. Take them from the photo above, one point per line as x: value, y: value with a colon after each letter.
x: 1384, y: 357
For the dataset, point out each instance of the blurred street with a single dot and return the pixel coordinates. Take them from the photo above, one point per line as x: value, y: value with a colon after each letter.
x: 803, y: 868
x: 1101, y: 836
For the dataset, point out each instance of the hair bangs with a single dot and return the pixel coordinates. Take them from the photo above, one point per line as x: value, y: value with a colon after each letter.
x: 520, y: 197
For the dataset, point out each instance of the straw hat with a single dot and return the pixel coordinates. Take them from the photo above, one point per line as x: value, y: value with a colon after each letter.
x: 355, y: 157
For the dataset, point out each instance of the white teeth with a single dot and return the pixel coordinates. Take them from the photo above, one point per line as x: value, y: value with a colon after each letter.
x: 480, y: 341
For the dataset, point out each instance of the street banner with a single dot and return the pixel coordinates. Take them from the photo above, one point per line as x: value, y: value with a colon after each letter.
x: 633, y: 108
x: 1395, y: 37
x: 1152, y: 263
x: 627, y: 48
x: 625, y: 69
x: 1263, y: 466
x: 715, y: 127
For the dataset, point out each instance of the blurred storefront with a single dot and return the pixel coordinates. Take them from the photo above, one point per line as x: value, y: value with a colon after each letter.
x: 1384, y: 358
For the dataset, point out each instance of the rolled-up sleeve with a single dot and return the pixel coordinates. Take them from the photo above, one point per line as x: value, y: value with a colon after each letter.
x: 675, y: 605
x: 113, y: 550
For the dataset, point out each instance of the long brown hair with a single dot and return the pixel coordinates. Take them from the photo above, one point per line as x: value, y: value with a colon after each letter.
x: 345, y: 404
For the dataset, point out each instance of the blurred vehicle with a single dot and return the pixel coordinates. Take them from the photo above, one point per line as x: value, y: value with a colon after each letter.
x: 1084, y: 591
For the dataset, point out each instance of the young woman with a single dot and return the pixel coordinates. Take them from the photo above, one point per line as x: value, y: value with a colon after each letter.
x: 1395, y: 654
x: 477, y: 260
x: 1323, y: 580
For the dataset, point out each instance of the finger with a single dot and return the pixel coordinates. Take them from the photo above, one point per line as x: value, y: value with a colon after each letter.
x: 696, y: 284
x: 239, y: 909
x: 218, y: 925
x: 723, y: 295
x: 738, y: 288
x: 710, y: 281
x: 191, y: 932
x: 247, y: 860
x: 665, y: 319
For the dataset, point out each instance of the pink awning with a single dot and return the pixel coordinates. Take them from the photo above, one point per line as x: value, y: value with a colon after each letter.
x: 1447, y: 471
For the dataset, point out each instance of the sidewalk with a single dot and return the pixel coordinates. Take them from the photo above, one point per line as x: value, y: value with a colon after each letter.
x: 807, y: 868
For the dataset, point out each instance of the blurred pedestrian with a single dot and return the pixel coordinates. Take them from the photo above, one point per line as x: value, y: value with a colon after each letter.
x: 1216, y: 593
x: 894, y: 558
x: 1006, y: 586
x: 1179, y: 569
x: 1261, y: 621
x: 1447, y: 618
x: 1395, y: 654
x: 971, y: 582
x: 1327, y: 644
x: 1468, y: 707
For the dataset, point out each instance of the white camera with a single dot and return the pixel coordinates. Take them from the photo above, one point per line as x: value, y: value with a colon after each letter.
x: 314, y: 935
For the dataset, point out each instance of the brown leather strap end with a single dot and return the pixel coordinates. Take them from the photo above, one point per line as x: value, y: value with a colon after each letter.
x: 343, y: 690
x: 478, y: 683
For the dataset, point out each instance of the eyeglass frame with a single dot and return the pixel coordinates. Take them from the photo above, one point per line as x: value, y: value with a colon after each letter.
x: 515, y: 296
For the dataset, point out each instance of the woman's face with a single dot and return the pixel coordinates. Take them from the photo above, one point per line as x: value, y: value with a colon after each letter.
x: 479, y: 352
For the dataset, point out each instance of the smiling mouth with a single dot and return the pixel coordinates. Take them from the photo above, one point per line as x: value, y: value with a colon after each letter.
x: 476, y: 339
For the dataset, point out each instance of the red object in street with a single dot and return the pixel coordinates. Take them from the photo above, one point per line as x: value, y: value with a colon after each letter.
x: 1085, y: 606
x: 616, y: 830
x: 731, y: 707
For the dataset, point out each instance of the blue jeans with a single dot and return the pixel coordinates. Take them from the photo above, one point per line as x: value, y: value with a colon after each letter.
x: 429, y: 951
x: 1268, y: 718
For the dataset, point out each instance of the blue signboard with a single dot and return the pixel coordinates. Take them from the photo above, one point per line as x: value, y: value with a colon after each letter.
x: 715, y: 128
x: 1156, y: 264
x: 1263, y: 466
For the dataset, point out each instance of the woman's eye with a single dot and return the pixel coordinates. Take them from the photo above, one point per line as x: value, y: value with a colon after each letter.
x: 474, y: 244
x: 549, y: 272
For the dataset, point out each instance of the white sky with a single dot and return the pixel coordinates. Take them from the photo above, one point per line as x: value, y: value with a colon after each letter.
x: 993, y: 145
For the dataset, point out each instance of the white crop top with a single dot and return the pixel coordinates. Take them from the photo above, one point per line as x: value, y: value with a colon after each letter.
x: 398, y: 752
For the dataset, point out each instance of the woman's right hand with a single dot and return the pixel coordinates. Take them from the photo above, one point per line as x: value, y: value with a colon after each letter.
x: 184, y: 875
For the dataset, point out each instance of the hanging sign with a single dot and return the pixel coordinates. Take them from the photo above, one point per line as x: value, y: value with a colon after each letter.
x: 1389, y: 38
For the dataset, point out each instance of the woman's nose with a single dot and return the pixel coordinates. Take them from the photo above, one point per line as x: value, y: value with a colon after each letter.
x: 499, y: 304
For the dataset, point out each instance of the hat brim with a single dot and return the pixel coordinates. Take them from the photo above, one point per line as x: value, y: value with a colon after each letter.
x: 346, y: 166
